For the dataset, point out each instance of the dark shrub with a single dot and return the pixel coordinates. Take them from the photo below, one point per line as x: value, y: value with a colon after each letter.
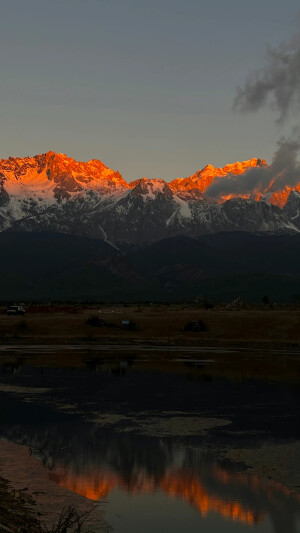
x: 95, y: 321
x: 195, y: 326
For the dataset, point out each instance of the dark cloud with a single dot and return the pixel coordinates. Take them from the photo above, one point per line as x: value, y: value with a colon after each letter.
x: 278, y: 84
x: 284, y: 170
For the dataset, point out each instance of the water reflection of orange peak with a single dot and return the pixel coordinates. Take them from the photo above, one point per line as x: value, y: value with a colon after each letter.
x: 190, y: 489
x: 253, y: 482
x: 93, y: 488
x: 96, y: 487
x: 186, y: 486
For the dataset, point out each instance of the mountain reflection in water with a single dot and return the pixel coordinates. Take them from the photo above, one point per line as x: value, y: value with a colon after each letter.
x: 98, y: 463
x: 95, y: 460
x: 178, y: 483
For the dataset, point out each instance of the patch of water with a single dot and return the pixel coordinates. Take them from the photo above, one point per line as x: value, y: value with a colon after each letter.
x: 160, y: 445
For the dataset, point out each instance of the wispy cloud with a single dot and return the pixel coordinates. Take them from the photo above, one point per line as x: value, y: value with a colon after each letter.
x: 284, y: 170
x: 277, y: 84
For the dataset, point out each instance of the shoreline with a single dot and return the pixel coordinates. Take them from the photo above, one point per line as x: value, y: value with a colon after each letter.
x: 161, y: 345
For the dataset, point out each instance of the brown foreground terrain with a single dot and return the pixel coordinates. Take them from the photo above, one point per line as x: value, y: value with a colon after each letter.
x: 153, y: 325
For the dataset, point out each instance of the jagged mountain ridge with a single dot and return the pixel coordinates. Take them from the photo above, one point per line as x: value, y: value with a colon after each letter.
x: 52, y: 192
x: 203, y: 178
x: 30, y: 186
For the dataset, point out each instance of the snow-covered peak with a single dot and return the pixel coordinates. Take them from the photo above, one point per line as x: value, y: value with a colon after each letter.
x: 151, y: 188
x: 203, y: 178
x: 56, y: 176
x: 54, y: 192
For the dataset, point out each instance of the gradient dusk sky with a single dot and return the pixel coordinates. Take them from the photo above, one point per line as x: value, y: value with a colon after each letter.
x: 145, y: 86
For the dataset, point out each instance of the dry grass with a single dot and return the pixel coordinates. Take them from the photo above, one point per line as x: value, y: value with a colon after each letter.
x: 16, y: 511
x: 17, y: 514
x: 70, y: 521
x: 155, y: 324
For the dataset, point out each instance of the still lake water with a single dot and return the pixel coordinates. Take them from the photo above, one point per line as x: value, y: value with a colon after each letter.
x: 160, y: 442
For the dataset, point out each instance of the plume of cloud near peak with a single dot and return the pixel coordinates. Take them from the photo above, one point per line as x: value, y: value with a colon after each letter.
x: 277, y: 84
x: 283, y: 171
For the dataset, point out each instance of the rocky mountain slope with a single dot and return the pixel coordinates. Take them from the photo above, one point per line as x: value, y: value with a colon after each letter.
x: 222, y: 266
x: 51, y: 192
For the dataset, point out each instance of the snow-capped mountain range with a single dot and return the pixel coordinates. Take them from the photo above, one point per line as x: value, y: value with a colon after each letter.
x: 52, y: 192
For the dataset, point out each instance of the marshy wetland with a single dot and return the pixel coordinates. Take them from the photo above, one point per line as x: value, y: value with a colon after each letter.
x: 162, y: 436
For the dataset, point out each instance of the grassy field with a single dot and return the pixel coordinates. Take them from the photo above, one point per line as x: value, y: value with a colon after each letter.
x: 154, y: 324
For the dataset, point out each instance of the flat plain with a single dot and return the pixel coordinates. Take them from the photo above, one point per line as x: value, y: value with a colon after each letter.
x: 277, y: 327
